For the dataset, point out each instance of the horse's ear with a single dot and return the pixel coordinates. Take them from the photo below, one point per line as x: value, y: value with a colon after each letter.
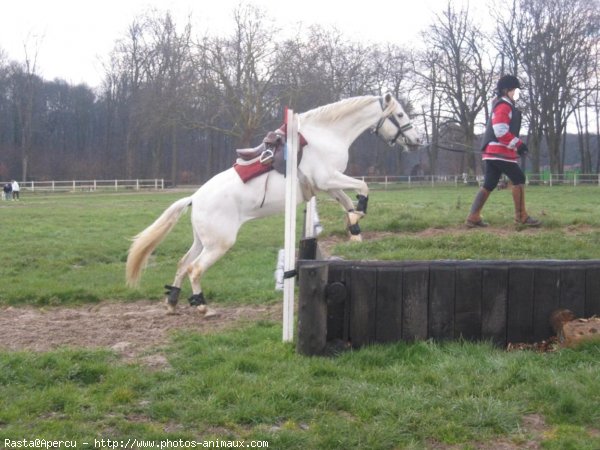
x: 388, y: 98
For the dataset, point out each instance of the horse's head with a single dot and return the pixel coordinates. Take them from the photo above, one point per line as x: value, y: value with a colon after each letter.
x: 395, y: 123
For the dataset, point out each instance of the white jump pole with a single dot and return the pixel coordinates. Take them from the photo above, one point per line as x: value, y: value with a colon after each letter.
x: 312, y: 226
x: 291, y: 184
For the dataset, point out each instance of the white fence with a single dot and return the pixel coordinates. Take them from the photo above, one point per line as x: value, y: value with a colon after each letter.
x: 91, y: 185
x: 382, y: 182
x: 390, y: 181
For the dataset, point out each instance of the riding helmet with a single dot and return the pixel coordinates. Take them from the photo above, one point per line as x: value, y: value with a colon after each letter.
x: 508, y: 82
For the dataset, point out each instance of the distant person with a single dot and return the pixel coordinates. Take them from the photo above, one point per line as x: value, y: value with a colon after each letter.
x: 6, y: 191
x: 501, y: 149
x: 16, y: 190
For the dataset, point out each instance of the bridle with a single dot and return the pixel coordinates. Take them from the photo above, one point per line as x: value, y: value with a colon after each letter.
x: 392, y: 118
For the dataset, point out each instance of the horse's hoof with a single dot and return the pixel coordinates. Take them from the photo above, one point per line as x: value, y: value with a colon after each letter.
x: 210, y: 313
x: 202, y: 309
x: 171, y: 309
x: 356, y: 238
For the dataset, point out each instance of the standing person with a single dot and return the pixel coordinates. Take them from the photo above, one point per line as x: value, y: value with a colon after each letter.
x: 501, y: 149
x: 16, y: 190
x: 7, y: 189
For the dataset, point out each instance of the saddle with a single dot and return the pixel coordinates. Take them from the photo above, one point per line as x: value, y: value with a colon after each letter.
x: 271, y: 143
x: 269, y: 154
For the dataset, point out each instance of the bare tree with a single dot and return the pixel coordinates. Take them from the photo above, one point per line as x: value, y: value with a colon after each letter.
x: 462, y: 70
x: 26, y: 88
x: 124, y: 81
x: 595, y: 105
x: 426, y: 68
x: 589, y: 89
x: 168, y: 73
x: 243, y: 66
x: 556, y: 47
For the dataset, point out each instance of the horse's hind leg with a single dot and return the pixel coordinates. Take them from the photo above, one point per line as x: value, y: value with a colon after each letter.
x: 208, y: 256
x: 174, y: 290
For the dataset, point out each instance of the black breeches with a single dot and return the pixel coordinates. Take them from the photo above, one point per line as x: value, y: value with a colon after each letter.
x: 494, y: 168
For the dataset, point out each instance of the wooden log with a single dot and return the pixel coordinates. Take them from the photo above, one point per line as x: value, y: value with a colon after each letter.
x: 592, y: 291
x: 494, y: 295
x: 312, y: 309
x: 338, y: 306
x: 546, y: 300
x: 572, y: 289
x: 389, y: 305
x: 442, y: 288
x: 520, y: 303
x: 559, y: 318
x: 505, y: 301
x: 467, y: 310
x: 307, y: 249
x: 363, y: 289
x: 572, y: 331
x: 580, y: 330
x: 415, y: 302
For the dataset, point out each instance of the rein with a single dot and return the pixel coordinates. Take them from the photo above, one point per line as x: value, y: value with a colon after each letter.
x: 450, y: 149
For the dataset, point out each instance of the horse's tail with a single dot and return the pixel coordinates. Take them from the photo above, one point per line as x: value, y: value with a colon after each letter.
x: 144, y: 243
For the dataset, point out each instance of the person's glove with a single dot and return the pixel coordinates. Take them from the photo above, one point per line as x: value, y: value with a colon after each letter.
x: 522, y: 150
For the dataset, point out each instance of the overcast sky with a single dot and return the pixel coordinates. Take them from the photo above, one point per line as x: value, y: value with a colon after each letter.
x: 73, y: 37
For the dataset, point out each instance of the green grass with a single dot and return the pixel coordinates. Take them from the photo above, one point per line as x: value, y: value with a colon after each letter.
x: 247, y: 384
x: 66, y: 249
x: 425, y: 223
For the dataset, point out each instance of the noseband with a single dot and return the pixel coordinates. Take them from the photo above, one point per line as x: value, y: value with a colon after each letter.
x: 392, y: 117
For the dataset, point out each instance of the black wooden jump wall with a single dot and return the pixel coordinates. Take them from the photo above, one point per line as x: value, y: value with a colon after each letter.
x: 360, y: 302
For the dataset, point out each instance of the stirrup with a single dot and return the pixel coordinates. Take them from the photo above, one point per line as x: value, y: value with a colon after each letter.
x: 267, y: 156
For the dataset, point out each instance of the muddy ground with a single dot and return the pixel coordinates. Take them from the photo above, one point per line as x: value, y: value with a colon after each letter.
x: 131, y: 329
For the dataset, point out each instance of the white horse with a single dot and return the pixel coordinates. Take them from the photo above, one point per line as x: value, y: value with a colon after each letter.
x: 224, y: 203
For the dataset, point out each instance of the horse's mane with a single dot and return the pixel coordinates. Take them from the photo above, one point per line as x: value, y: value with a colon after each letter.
x: 334, y: 111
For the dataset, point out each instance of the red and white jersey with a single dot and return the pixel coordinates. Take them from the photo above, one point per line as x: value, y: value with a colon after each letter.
x: 503, y: 144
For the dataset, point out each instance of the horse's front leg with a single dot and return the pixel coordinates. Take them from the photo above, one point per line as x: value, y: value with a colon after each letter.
x: 353, y: 215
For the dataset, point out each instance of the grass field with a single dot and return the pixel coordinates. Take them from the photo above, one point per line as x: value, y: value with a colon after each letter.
x: 246, y: 384
x: 72, y: 248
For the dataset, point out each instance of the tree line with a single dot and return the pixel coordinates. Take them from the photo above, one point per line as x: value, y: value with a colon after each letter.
x: 175, y: 104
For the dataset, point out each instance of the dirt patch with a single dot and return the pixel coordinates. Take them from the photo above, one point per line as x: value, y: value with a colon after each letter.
x: 529, y: 437
x: 327, y: 244
x: 130, y: 329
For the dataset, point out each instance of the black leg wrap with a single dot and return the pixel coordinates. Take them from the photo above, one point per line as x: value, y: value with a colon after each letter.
x: 354, y: 229
x: 197, y: 299
x: 362, y: 203
x: 172, y: 293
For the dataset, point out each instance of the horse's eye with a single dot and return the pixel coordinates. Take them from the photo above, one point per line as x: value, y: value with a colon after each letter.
x: 400, y: 114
